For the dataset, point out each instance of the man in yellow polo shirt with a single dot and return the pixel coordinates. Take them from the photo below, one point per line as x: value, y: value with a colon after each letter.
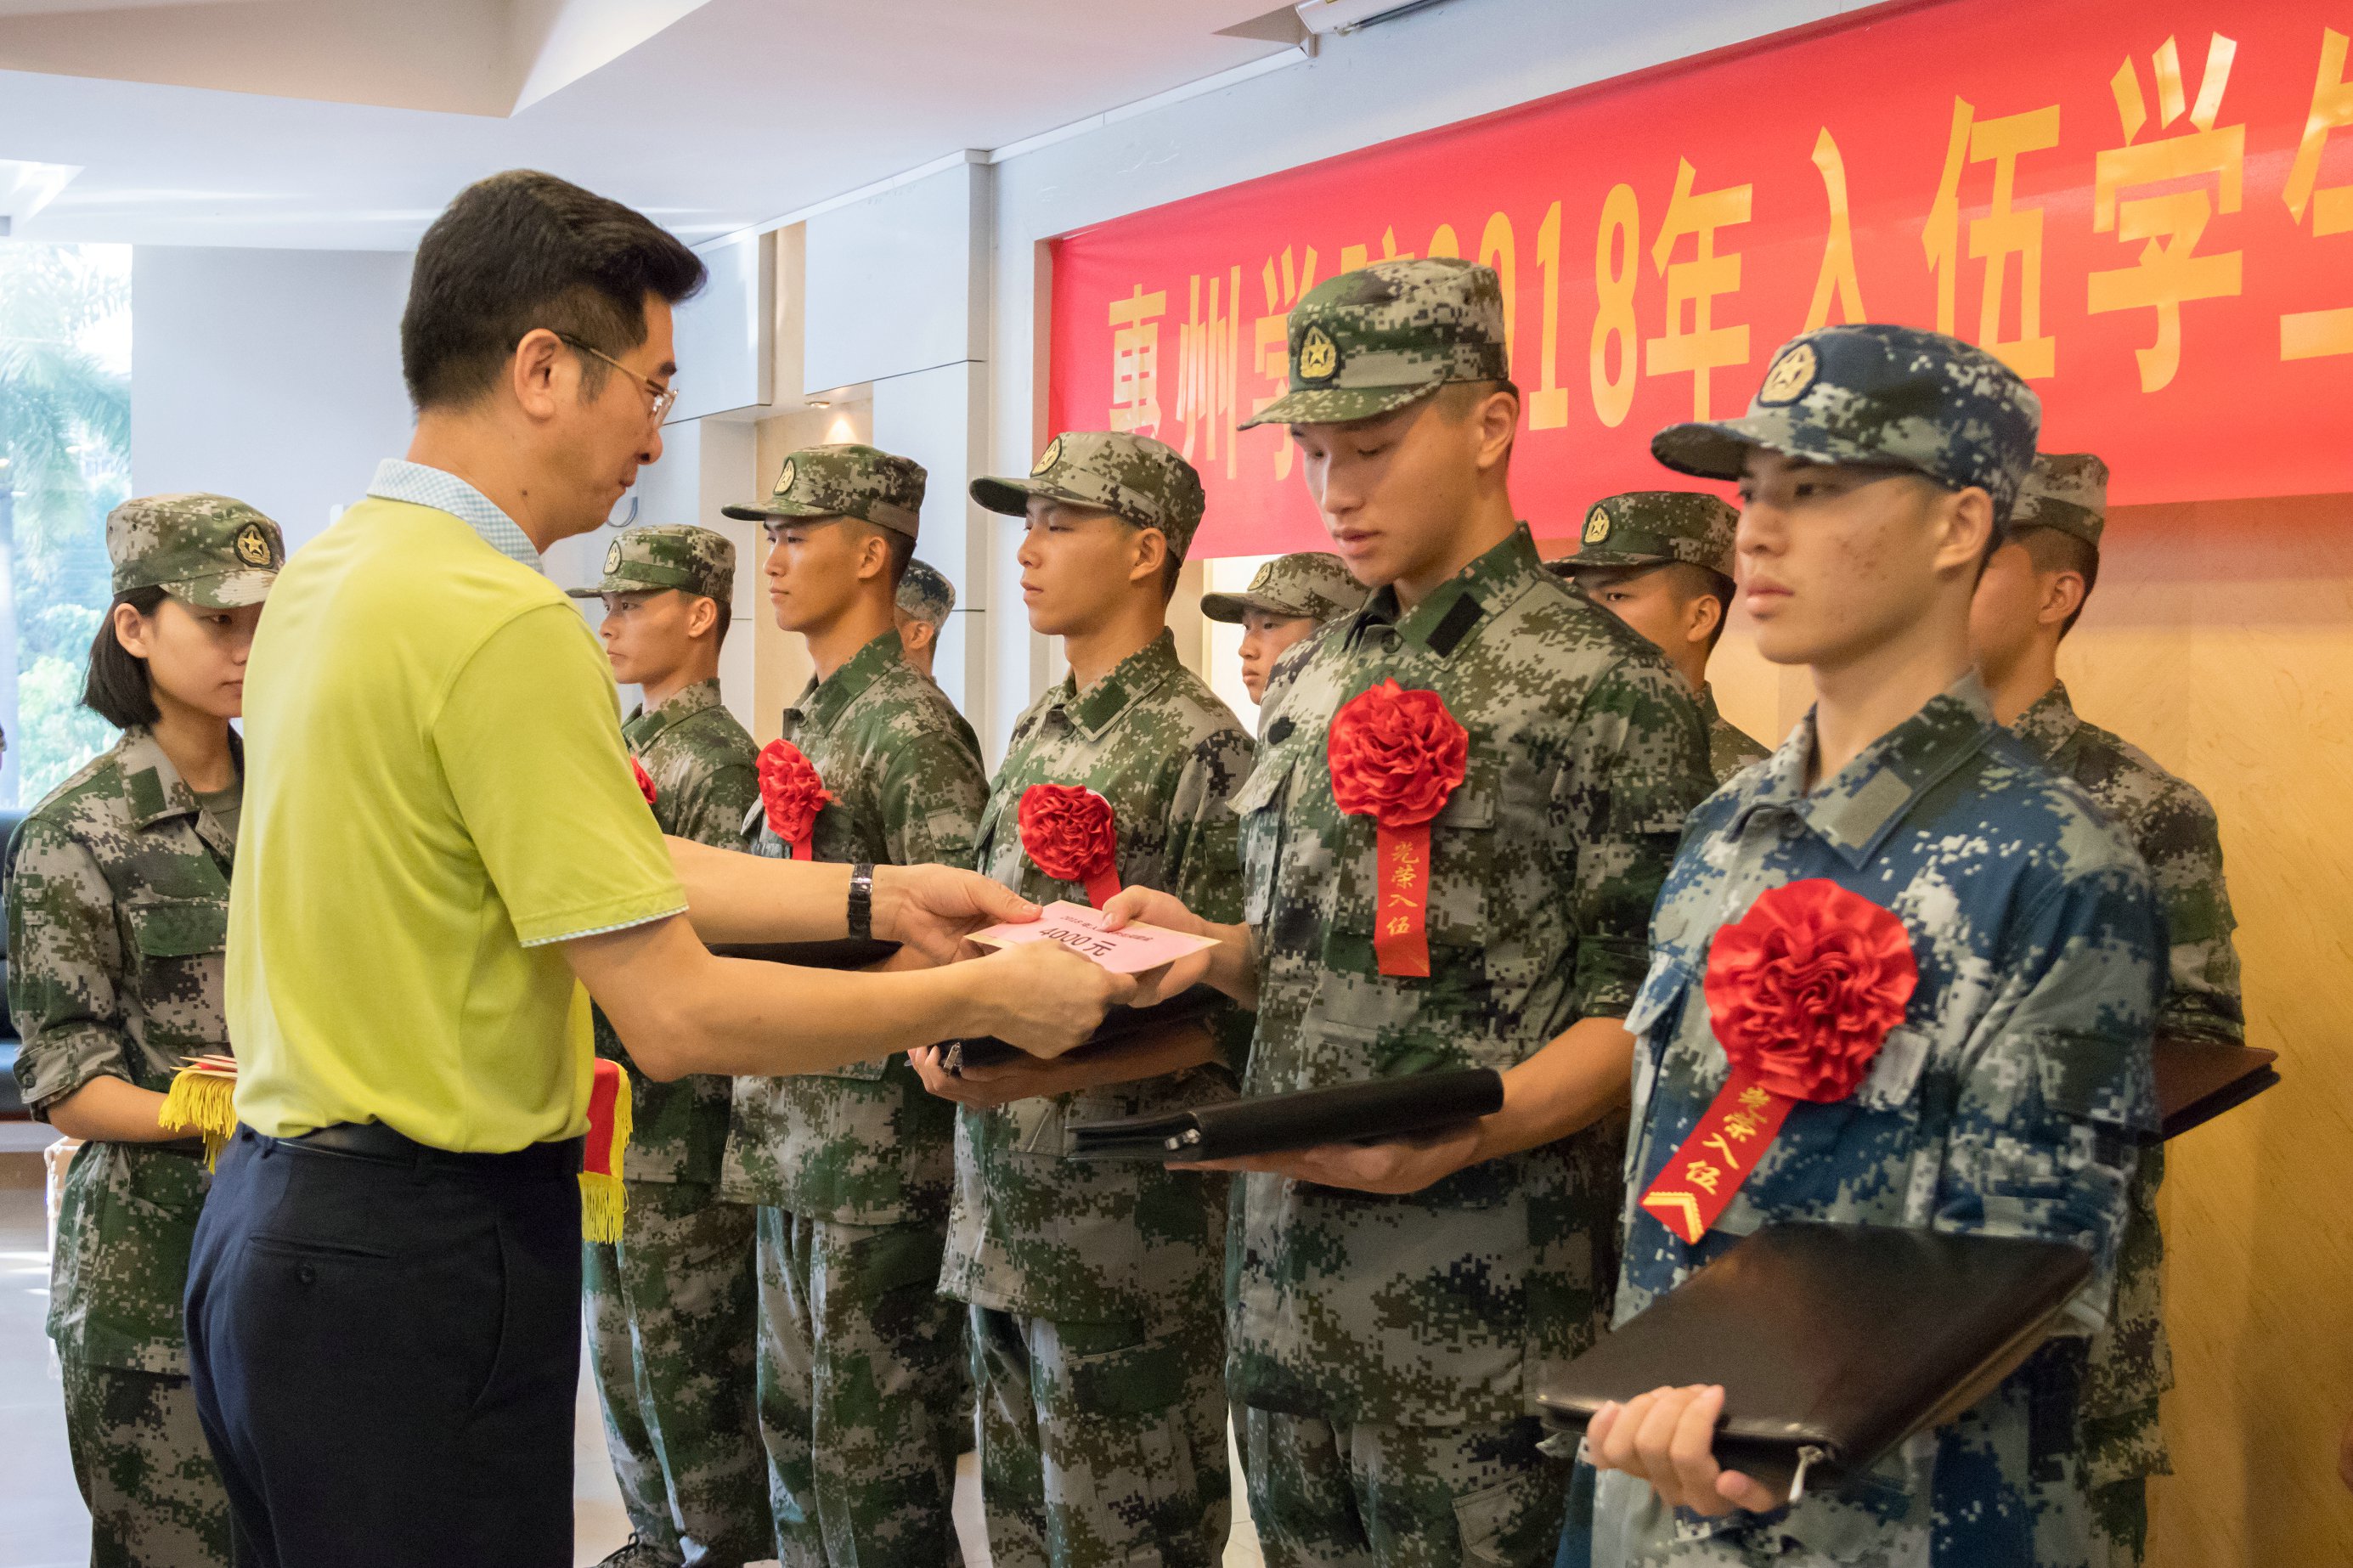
x: 442, y: 846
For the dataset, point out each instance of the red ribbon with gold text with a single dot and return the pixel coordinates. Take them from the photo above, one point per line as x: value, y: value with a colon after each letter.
x: 1396, y: 756
x: 791, y: 795
x: 1801, y: 992
x: 1069, y: 833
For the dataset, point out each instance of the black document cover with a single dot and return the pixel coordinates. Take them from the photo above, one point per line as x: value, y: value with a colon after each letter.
x: 843, y: 953
x: 2197, y: 1080
x: 1373, y: 1111
x: 1119, y: 1025
x: 1836, y: 1341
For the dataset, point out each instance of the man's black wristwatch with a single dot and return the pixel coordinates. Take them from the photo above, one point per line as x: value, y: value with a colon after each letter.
x: 861, y: 902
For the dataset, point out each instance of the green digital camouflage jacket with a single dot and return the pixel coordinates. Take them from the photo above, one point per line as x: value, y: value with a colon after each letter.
x: 703, y: 764
x: 2008, y: 1102
x: 1586, y: 754
x: 1033, y: 1233
x: 118, y: 917
x: 1729, y: 750
x: 864, y: 1144
x: 2169, y: 822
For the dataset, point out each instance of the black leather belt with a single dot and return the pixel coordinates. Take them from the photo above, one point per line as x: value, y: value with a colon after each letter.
x: 375, y: 1141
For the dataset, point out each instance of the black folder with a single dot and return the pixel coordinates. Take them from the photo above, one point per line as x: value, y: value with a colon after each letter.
x: 1373, y: 1111
x: 843, y: 953
x: 1833, y: 1342
x: 2197, y: 1080
x: 1119, y: 1025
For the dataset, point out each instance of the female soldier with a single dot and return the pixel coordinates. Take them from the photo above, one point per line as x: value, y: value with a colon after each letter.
x: 116, y: 912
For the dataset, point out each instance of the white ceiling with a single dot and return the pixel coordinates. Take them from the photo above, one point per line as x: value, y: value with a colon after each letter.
x: 348, y: 123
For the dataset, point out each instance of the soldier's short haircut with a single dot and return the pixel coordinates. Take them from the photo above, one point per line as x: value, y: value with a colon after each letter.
x: 522, y: 250
x: 117, y: 688
x: 903, y: 549
x: 2054, y: 550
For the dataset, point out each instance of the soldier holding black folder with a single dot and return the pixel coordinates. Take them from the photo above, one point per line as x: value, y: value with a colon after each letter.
x: 1903, y: 975
x: 1525, y: 761
x: 1094, y: 1290
x: 2035, y: 587
x: 861, y: 1383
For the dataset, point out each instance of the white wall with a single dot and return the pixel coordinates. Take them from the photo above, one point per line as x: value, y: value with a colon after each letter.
x: 271, y: 376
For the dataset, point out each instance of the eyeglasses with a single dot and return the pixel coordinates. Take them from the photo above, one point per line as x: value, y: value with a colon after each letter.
x: 664, y: 397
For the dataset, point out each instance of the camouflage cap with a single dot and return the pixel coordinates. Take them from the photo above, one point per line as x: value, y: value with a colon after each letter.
x: 671, y: 555
x: 1311, y: 582
x: 1652, y: 528
x: 845, y: 480
x: 924, y: 594
x: 1375, y: 339
x: 1135, y: 477
x: 211, y: 551
x: 1879, y: 397
x: 2067, y: 491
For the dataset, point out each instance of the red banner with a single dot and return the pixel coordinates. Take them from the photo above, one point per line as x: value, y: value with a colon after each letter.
x: 2146, y: 210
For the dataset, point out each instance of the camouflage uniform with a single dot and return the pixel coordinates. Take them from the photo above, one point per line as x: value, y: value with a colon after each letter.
x: 1386, y: 1350
x: 2173, y: 827
x: 1309, y: 582
x: 1646, y: 529
x: 2006, y: 1103
x: 669, y: 1307
x: 862, y: 1383
x: 118, y: 910
x: 1094, y: 1289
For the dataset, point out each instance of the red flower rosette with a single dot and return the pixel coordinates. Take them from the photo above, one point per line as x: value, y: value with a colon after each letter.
x: 791, y: 795
x: 644, y: 780
x: 1070, y: 835
x: 1801, y: 993
x: 1396, y: 756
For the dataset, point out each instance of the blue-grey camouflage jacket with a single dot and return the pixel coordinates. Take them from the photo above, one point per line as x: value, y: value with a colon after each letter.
x: 2008, y: 1102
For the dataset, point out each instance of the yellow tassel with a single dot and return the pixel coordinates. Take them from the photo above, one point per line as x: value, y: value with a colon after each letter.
x: 603, y: 1198
x: 205, y: 1101
x: 603, y: 1201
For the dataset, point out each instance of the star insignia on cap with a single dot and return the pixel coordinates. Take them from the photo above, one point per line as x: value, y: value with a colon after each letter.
x: 1597, y: 526
x: 1047, y: 458
x: 1791, y: 374
x: 613, y: 558
x: 785, y: 478
x: 1319, y: 356
x: 253, y: 544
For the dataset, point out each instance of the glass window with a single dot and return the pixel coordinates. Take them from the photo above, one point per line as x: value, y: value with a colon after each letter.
x: 65, y: 462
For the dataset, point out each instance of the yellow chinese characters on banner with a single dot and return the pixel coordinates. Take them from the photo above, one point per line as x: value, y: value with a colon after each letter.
x: 2152, y: 223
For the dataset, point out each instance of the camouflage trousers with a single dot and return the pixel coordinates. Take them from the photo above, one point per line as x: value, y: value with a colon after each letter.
x: 2119, y: 1520
x: 140, y: 1458
x: 1100, y: 1445
x: 862, y: 1392
x: 1328, y: 1494
x: 671, y: 1323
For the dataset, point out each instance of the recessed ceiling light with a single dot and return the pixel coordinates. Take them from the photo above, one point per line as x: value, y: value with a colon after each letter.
x: 818, y: 403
